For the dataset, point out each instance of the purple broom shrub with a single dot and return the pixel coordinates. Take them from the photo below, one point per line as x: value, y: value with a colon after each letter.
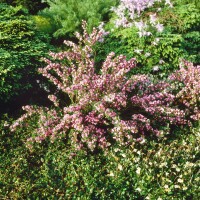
x: 107, y: 106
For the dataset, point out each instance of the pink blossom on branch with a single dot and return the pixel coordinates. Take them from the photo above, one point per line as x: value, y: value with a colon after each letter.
x: 106, y: 106
x: 189, y: 94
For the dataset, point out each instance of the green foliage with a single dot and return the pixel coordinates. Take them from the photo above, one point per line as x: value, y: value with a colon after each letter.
x: 189, y: 18
x: 43, y: 24
x: 160, y: 51
x: 191, y: 46
x: 184, y: 19
x: 161, y: 168
x: 21, y: 48
x: 165, y: 168
x: 164, y: 54
x: 67, y: 15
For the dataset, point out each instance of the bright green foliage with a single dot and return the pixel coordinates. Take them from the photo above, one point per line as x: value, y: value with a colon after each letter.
x: 189, y: 23
x: 21, y: 48
x: 164, y: 167
x: 67, y: 15
x: 164, y: 55
x: 43, y: 24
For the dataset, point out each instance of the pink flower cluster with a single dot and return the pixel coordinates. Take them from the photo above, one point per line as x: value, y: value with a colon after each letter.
x: 129, y: 14
x: 106, y: 106
x: 188, y: 94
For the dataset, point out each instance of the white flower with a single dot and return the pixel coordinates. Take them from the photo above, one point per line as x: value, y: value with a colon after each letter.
x: 138, y: 51
x: 138, y: 170
x: 116, y: 150
x: 120, y: 167
x: 153, y: 18
x: 140, y: 25
x: 180, y: 180
x: 159, y: 27
x: 123, y: 155
x: 138, y: 189
x: 178, y: 169
x: 161, y: 61
x: 169, y: 3
x: 184, y: 188
x: 166, y: 186
x: 155, y: 68
x: 147, y: 54
x: 111, y: 174
x: 6, y: 124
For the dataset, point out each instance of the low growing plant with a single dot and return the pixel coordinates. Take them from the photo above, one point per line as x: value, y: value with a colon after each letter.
x: 160, y: 168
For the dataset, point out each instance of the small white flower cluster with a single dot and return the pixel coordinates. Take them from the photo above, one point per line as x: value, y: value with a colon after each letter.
x: 129, y: 11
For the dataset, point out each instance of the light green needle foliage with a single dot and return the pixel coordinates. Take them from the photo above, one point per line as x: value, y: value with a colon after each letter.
x: 67, y: 15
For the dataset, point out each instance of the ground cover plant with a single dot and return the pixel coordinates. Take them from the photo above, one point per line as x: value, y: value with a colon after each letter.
x: 114, y: 129
x: 165, y: 168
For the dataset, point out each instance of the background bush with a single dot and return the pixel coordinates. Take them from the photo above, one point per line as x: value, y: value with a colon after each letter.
x: 159, y: 53
x: 67, y: 15
x: 21, y: 49
x: 32, y: 6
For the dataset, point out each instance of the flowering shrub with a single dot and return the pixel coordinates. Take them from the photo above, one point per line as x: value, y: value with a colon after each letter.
x: 151, y: 35
x: 105, y: 105
x: 130, y: 11
x: 156, y: 54
x: 188, y: 95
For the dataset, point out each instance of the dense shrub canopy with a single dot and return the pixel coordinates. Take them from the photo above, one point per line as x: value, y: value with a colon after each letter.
x: 158, y: 51
x: 21, y: 49
x: 68, y: 14
x: 32, y: 6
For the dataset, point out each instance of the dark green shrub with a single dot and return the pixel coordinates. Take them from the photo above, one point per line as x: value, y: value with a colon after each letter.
x: 32, y: 6
x: 161, y: 53
x: 189, y: 16
x: 21, y: 48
